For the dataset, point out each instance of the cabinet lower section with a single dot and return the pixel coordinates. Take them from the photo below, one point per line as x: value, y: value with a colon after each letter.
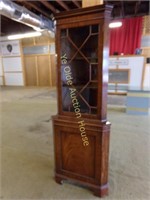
x: 85, y: 165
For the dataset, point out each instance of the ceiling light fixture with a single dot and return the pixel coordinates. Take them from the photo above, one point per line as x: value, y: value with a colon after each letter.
x: 115, y: 24
x: 24, y: 35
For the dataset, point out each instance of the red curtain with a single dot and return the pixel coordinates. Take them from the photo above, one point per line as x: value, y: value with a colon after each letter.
x: 127, y: 38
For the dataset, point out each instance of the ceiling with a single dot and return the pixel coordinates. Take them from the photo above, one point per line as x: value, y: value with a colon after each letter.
x: 47, y: 9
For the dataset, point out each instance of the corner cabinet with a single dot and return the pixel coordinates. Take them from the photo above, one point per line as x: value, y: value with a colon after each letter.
x: 81, y: 130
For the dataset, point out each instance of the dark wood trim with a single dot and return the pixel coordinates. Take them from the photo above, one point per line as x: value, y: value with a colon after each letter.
x: 82, y: 11
x: 137, y: 6
x: 122, y: 8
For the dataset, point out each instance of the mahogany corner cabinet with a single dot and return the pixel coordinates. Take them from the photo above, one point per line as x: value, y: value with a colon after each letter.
x: 81, y: 129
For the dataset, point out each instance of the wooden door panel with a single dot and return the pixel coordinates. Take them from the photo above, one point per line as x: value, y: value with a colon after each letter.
x: 43, y: 70
x: 30, y: 70
x: 53, y: 70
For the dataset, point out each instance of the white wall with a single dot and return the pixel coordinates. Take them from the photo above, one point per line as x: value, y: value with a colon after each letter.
x: 12, y: 65
x: 146, y: 83
x: 1, y: 72
x: 13, y: 79
x: 134, y: 63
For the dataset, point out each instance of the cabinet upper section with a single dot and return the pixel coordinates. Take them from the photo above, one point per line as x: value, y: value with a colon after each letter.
x: 82, y: 55
x: 84, y: 14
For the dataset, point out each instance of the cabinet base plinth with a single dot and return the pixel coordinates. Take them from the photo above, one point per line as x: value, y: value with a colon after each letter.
x: 99, y: 191
x: 59, y: 180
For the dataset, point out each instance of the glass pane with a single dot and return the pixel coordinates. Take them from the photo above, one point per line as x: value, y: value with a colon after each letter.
x: 79, y: 57
x: 94, y: 72
x: 93, y: 97
x: 77, y: 70
x: 94, y: 28
x: 111, y: 87
x: 79, y: 35
x: 67, y: 48
x: 71, y: 100
x: 145, y: 41
x: 90, y: 49
x: 80, y: 71
x: 52, y: 48
x: 122, y: 87
x: 118, y: 76
x: 63, y: 33
x: 90, y: 94
x: 93, y: 111
x: 83, y: 105
x: 66, y: 99
x: 36, y: 50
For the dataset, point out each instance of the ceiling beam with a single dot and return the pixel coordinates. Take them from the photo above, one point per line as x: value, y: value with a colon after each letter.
x: 137, y: 5
x: 48, y: 5
x: 62, y: 4
x: 36, y: 8
x: 76, y: 3
x: 122, y: 8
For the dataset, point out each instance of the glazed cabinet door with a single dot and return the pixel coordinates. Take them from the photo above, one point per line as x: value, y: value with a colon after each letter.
x: 79, y: 69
